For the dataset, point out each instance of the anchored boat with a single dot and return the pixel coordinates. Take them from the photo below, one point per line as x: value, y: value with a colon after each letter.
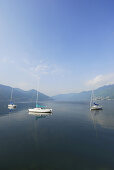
x: 11, y: 105
x: 39, y: 108
x: 93, y: 105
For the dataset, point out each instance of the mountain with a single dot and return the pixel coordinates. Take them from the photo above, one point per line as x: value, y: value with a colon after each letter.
x: 105, y: 91
x: 30, y: 96
x: 20, y: 95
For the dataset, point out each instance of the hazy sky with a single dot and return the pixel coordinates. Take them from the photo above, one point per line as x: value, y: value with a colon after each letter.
x: 69, y: 44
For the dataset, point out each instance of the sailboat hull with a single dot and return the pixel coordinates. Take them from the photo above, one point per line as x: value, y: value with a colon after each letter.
x: 11, y: 106
x: 93, y: 105
x: 40, y: 110
x: 96, y: 108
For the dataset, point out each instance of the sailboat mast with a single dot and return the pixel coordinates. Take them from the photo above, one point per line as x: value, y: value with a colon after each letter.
x: 37, y: 93
x: 37, y: 98
x: 11, y: 93
x: 91, y: 98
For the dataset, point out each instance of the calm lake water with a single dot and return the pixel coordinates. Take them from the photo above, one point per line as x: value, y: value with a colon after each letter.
x: 72, y: 138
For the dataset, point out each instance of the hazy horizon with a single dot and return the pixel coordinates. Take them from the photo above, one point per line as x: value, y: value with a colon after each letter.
x: 68, y: 45
x: 58, y: 93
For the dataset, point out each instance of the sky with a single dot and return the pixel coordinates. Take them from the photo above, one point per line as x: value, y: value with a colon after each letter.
x: 66, y: 46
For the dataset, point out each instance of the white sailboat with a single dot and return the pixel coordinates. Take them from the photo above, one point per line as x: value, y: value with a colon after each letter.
x: 39, y: 108
x: 93, y: 105
x: 11, y: 105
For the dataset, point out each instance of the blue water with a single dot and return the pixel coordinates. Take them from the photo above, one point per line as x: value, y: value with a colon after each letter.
x: 71, y: 138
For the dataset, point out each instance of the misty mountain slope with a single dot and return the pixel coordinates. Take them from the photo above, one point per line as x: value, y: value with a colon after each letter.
x: 20, y: 95
x: 104, y: 91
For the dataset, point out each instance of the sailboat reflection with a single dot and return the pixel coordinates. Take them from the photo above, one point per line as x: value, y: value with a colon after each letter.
x: 11, y: 109
x: 39, y: 115
x: 94, y: 114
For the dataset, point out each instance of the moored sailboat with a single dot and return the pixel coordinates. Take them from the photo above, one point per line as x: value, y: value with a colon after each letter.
x: 39, y: 108
x: 11, y: 105
x: 93, y: 104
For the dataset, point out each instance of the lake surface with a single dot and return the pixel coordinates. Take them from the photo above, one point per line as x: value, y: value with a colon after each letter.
x: 72, y: 138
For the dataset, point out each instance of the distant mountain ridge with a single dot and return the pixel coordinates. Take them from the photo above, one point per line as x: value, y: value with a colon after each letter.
x: 104, y: 91
x: 20, y: 95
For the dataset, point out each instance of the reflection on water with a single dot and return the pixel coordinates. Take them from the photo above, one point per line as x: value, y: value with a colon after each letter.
x: 11, y: 109
x: 94, y: 114
x: 39, y: 115
x: 104, y: 118
x: 70, y: 138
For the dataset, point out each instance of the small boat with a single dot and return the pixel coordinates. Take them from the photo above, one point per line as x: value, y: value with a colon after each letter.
x: 11, y: 105
x: 96, y: 107
x: 40, y: 114
x: 93, y: 105
x: 39, y: 108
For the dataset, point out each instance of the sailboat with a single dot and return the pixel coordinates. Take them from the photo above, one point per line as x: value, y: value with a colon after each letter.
x: 40, y: 108
x: 93, y: 104
x: 11, y: 105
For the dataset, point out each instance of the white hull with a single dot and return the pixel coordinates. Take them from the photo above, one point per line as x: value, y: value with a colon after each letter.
x: 39, y: 114
x: 40, y: 110
x: 11, y: 106
x: 96, y: 107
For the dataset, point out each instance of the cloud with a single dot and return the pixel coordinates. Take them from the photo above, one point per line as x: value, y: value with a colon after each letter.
x: 98, y: 79
x: 101, y: 80
x: 33, y: 68
x: 6, y: 60
x: 41, y: 68
x: 55, y: 70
